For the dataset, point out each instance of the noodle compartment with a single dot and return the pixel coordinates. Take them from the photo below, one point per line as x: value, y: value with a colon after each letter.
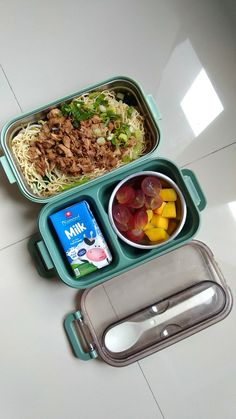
x: 78, y: 141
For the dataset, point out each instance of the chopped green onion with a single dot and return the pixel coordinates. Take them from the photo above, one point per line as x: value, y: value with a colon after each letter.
x: 110, y: 136
x: 131, y: 129
x: 102, y: 108
x: 126, y: 159
x: 130, y: 111
x: 114, y: 141
x: 123, y: 137
x: 92, y: 95
x: 77, y: 183
x: 97, y: 132
x: 138, y: 135
x: 101, y: 141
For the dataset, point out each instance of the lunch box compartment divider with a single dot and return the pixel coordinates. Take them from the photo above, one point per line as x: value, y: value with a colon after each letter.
x: 125, y: 257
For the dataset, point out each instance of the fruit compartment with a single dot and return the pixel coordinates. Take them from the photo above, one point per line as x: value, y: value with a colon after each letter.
x: 192, y: 222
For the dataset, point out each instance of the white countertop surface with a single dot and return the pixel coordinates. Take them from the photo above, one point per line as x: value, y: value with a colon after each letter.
x: 49, y: 49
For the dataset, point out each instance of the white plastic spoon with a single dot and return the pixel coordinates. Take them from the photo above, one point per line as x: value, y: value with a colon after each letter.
x: 123, y: 336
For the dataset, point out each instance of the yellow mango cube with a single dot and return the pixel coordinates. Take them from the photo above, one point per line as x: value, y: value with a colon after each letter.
x: 169, y: 210
x: 159, y: 221
x: 148, y: 226
x: 149, y: 214
x: 168, y: 194
x: 157, y: 234
x: 160, y: 209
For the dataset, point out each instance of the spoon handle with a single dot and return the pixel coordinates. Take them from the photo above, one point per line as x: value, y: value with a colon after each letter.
x: 198, y: 299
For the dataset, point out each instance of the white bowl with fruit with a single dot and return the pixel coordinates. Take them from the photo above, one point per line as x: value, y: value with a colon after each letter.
x: 147, y: 209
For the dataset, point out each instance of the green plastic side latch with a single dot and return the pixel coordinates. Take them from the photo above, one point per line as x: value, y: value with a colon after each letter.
x: 72, y: 334
x: 7, y: 169
x: 153, y: 107
x: 194, y: 188
x: 41, y: 257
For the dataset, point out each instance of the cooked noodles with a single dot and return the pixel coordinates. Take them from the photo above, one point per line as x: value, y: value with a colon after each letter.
x: 119, y: 137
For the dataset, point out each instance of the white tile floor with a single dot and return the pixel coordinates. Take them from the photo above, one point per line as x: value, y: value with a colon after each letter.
x: 49, y: 49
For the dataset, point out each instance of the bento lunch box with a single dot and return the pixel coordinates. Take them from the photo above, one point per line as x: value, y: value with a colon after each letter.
x: 174, y: 290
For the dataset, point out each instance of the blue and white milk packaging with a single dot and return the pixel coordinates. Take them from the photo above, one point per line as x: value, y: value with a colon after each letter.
x: 81, y: 238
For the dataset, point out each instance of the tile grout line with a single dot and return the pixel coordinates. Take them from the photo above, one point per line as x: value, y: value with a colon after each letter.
x: 9, y: 84
x: 17, y: 242
x: 154, y: 397
x: 207, y: 155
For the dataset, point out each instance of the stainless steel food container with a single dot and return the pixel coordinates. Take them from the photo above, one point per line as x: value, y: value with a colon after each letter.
x: 135, y: 96
x: 180, y: 203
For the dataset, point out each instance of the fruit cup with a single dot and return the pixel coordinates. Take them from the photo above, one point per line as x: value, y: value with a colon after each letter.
x: 147, y: 209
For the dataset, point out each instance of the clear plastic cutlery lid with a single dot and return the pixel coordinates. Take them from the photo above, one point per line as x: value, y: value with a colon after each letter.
x: 164, y: 319
x: 156, y: 305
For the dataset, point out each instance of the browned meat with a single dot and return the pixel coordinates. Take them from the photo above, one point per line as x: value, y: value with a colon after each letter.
x: 114, y: 161
x: 48, y: 143
x: 34, y: 153
x: 96, y: 119
x: 66, y: 150
x: 132, y: 141
x: 56, y: 122
x: 110, y: 126
x: 45, y: 129
x: 40, y: 148
x: 40, y: 166
x: 117, y: 152
x: 74, y: 151
x: 91, y: 153
x: 54, y: 113
x: 66, y: 141
x: 75, y: 169
x: 68, y: 127
x: 51, y: 155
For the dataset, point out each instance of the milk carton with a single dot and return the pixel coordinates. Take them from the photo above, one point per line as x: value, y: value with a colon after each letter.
x: 81, y: 238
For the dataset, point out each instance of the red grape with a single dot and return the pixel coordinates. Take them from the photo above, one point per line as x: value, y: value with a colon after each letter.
x: 122, y: 227
x: 121, y: 214
x: 153, y: 202
x: 135, y: 235
x: 140, y: 218
x: 125, y: 194
x: 138, y: 200
x: 127, y: 226
x: 151, y: 186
